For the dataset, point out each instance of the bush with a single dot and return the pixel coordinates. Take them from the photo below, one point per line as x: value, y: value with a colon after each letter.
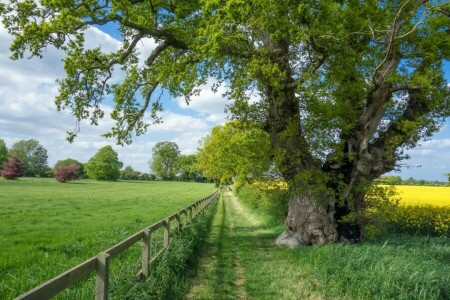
x: 67, y: 173
x: 12, y: 169
x: 273, y: 201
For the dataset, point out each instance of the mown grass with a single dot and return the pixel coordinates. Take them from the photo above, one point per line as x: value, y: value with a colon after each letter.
x: 47, y: 227
x: 244, y: 263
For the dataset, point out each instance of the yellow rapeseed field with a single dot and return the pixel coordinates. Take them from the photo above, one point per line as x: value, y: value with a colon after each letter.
x: 421, y: 195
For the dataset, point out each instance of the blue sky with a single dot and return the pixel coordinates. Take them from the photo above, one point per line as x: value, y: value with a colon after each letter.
x: 27, y: 90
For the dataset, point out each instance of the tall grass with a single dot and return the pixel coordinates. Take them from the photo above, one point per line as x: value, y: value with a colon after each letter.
x: 395, y: 266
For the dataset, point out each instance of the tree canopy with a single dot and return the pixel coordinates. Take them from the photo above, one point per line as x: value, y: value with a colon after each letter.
x: 344, y: 87
x: 3, y: 153
x: 70, y: 162
x: 104, y: 165
x: 164, y: 159
x: 235, y: 152
x: 32, y: 155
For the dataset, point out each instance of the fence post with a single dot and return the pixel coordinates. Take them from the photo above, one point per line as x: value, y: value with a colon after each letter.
x: 185, y: 217
x: 102, y: 280
x: 146, y: 246
x: 166, y: 232
x: 178, y: 218
x: 190, y: 214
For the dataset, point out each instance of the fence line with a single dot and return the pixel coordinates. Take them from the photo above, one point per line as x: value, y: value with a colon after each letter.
x: 100, y: 263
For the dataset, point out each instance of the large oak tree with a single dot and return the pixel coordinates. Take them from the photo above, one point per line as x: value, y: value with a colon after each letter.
x: 345, y: 86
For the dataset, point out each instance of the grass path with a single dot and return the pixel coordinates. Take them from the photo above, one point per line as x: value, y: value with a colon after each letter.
x: 241, y: 262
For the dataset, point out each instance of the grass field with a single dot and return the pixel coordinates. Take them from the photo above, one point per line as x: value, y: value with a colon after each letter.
x: 47, y: 227
x: 242, y: 262
x: 419, y: 195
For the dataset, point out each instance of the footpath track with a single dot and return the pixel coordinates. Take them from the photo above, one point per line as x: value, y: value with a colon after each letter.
x: 241, y: 260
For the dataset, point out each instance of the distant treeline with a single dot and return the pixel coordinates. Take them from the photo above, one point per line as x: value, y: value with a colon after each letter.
x: 397, y: 180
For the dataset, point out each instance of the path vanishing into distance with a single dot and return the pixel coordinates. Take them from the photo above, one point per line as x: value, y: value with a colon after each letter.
x: 242, y: 262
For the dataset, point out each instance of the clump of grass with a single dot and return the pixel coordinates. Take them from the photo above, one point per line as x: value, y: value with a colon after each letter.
x: 170, y: 273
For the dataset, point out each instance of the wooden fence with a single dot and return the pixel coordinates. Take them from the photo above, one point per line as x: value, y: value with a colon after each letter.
x: 100, y: 263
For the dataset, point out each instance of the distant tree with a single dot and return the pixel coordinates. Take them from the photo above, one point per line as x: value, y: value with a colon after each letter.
x: 104, y: 165
x: 129, y: 174
x: 187, y: 167
x: 12, y: 169
x: 234, y: 151
x: 145, y: 177
x: 391, y: 180
x: 3, y: 153
x: 164, y: 158
x: 32, y: 155
x: 64, y: 173
x: 70, y: 162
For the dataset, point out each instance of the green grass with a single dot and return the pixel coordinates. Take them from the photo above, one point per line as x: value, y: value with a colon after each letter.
x: 47, y: 227
x: 243, y: 262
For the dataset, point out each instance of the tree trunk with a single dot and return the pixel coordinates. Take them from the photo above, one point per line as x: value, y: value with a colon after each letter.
x: 308, y: 222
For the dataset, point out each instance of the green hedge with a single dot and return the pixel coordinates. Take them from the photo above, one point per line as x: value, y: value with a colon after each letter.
x: 273, y: 202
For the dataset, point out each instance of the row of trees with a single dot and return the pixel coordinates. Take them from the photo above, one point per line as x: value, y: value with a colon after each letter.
x: 397, y: 180
x: 168, y: 164
x: 29, y: 158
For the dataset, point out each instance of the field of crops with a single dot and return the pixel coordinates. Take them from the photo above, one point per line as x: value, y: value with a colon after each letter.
x: 421, y: 195
x: 47, y: 227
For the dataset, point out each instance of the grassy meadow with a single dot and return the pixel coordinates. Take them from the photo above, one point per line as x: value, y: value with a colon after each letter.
x: 47, y: 227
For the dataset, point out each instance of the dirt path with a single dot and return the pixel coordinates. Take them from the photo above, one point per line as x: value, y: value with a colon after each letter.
x: 221, y: 274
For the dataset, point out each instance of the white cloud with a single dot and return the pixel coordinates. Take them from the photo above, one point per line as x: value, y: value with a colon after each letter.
x: 211, y: 105
x: 173, y: 122
x: 27, y: 110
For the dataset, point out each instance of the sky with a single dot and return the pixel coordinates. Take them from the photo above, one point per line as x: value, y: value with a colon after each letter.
x: 27, y: 111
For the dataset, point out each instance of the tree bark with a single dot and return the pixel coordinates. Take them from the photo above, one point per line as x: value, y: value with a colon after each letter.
x: 309, y: 222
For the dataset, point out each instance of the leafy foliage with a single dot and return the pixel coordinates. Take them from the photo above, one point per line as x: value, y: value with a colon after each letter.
x: 12, y: 169
x: 164, y: 159
x: 129, y: 174
x: 33, y: 156
x: 187, y: 168
x: 71, y: 162
x: 235, y: 151
x: 104, y: 165
x: 67, y: 173
x: 3, y: 153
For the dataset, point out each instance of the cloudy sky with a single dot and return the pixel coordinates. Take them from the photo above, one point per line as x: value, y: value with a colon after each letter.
x: 27, y: 110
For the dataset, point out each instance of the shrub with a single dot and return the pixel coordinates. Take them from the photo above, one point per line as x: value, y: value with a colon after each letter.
x: 272, y: 201
x: 12, y: 169
x: 381, y: 204
x: 67, y: 173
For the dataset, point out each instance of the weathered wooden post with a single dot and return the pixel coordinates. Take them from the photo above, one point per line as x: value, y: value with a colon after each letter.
x: 178, y: 218
x: 102, y: 281
x: 185, y: 217
x: 190, y: 214
x: 166, y: 232
x: 146, y: 252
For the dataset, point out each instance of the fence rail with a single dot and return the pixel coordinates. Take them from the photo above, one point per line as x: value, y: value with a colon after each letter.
x: 100, y: 262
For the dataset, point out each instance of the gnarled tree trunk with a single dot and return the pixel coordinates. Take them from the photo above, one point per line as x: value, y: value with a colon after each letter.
x: 308, y: 222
